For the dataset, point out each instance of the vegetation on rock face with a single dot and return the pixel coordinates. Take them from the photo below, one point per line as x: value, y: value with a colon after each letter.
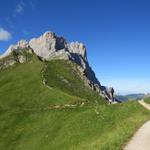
x: 29, y: 122
x: 17, y: 56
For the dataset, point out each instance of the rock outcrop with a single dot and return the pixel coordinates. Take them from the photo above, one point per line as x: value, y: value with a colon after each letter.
x: 20, y: 45
x: 77, y: 48
x: 49, y: 46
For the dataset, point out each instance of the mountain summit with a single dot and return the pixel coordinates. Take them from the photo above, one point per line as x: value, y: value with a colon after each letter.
x: 49, y: 47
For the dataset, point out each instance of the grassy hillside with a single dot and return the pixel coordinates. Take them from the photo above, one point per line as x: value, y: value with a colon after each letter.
x: 21, y: 85
x: 101, y: 127
x: 63, y: 75
x: 27, y: 122
x: 147, y: 100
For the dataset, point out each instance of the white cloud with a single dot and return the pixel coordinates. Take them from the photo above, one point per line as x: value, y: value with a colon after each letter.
x: 4, y: 35
x: 19, y: 8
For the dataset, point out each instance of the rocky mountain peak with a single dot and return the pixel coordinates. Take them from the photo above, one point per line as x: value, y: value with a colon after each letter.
x: 47, y: 44
x: 20, y: 45
x: 50, y: 46
x: 77, y: 48
x: 49, y: 35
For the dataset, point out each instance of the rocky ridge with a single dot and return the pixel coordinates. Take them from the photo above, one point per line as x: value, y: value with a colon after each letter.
x: 49, y: 46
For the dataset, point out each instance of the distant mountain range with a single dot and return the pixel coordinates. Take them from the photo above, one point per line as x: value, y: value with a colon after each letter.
x: 127, y: 97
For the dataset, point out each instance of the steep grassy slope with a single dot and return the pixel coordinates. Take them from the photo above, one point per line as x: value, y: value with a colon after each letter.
x: 27, y: 122
x: 60, y: 75
x: 28, y: 84
x: 21, y: 85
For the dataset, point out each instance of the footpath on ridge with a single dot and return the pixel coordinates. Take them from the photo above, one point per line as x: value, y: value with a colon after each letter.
x: 141, y: 139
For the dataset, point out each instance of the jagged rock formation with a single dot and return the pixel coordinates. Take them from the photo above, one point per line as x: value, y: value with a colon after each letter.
x: 49, y: 46
x: 21, y: 44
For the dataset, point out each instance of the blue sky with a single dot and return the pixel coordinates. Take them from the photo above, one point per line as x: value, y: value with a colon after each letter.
x: 115, y: 32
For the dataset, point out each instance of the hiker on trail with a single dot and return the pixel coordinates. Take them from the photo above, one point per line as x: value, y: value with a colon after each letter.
x: 111, y: 92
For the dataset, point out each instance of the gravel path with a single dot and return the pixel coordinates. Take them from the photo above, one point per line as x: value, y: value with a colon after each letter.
x: 141, y: 139
x: 147, y: 106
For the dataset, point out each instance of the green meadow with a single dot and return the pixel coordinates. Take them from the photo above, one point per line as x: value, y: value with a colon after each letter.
x: 29, y: 119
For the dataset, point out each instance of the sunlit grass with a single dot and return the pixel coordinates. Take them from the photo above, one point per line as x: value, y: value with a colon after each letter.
x: 28, y: 123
